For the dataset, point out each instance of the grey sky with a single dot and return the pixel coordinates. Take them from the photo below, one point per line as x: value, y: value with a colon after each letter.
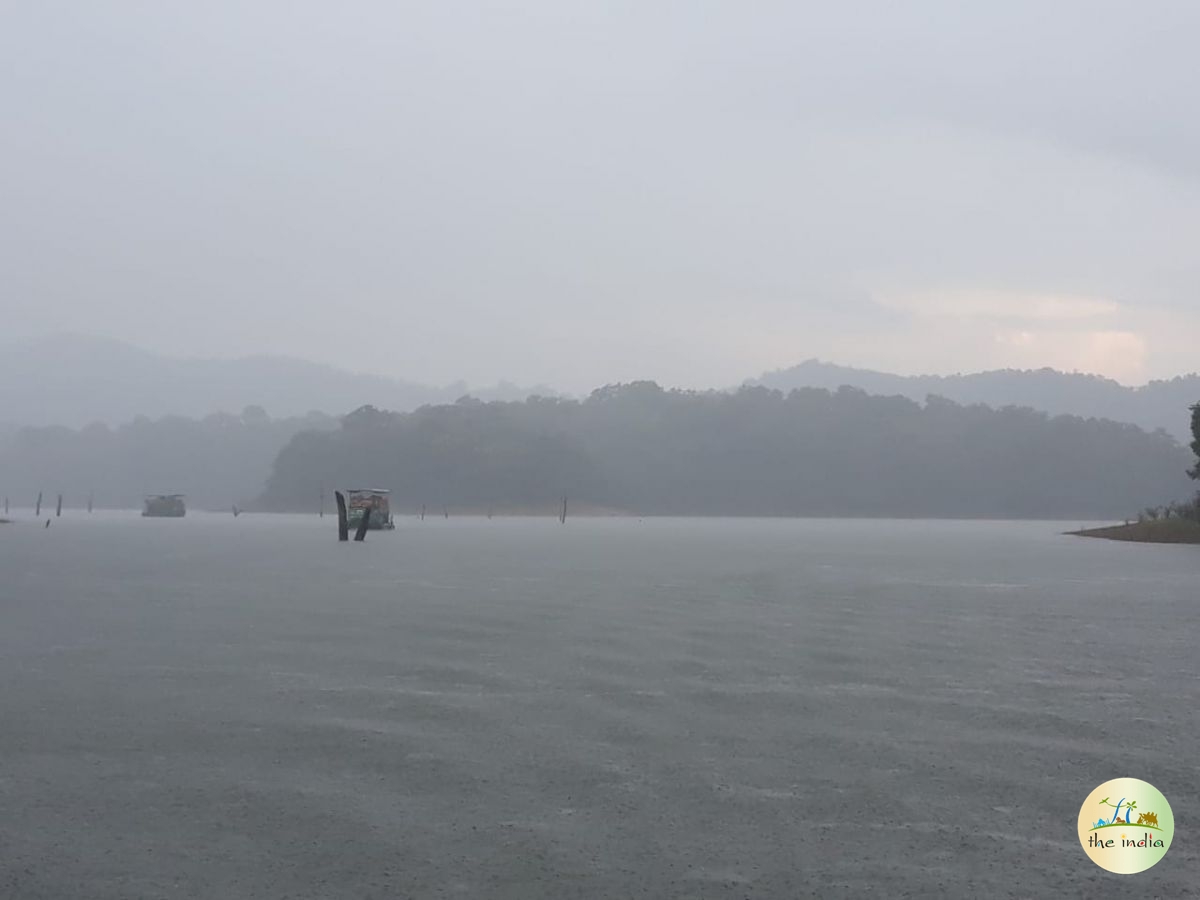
x: 582, y: 193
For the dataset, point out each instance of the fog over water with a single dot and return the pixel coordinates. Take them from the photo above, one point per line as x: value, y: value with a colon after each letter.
x: 573, y: 195
x: 514, y: 708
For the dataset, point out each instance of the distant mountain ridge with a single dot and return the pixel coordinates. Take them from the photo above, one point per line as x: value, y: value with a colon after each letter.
x: 1159, y: 404
x: 73, y: 381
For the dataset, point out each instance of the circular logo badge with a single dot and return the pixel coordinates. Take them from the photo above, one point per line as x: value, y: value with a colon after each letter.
x: 1126, y: 825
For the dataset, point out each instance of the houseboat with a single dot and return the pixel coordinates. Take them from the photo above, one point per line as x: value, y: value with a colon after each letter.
x: 169, y: 506
x: 359, y: 500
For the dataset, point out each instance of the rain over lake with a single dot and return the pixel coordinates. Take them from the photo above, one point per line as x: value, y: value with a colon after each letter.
x: 669, y: 708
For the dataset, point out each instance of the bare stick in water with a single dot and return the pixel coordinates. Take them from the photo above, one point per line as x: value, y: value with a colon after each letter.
x: 321, y: 514
x: 363, y: 525
x: 38, y: 509
x: 58, y: 509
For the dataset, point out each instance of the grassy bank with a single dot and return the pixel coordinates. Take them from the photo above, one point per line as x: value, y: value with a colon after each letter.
x: 1151, y: 531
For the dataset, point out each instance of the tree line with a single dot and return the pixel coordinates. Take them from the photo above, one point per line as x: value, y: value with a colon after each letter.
x: 640, y: 449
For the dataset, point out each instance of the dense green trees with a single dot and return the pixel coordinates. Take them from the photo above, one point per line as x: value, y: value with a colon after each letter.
x: 642, y: 449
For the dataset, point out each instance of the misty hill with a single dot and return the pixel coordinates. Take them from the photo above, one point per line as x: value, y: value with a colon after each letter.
x: 641, y: 449
x: 217, y: 461
x: 73, y: 381
x: 1159, y: 404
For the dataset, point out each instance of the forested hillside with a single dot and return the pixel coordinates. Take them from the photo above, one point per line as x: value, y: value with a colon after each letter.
x: 644, y: 450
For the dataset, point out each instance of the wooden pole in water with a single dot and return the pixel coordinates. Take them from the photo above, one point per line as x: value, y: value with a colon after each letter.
x: 562, y: 519
x: 236, y: 512
x: 58, y: 509
x: 38, y: 509
x: 321, y: 514
x: 422, y: 512
x: 362, y: 526
x: 343, y: 524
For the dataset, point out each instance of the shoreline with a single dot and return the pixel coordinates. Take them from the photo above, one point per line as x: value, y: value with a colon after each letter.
x: 591, y: 512
x: 1156, y: 531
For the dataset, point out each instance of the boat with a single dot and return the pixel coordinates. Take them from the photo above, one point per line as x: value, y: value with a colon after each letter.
x: 167, y: 506
x: 359, y: 500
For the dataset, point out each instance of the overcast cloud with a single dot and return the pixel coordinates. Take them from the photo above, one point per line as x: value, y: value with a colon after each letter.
x: 576, y: 194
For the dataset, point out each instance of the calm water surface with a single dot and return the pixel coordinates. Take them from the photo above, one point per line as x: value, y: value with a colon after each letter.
x: 224, y: 708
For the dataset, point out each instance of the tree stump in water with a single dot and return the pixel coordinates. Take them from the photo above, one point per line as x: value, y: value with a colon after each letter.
x: 343, y: 524
x: 363, y: 525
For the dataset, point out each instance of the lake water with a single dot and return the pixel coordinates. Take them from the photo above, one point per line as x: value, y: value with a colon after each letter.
x: 222, y: 708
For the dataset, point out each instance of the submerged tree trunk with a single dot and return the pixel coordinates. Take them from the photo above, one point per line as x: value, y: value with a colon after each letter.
x: 343, y: 525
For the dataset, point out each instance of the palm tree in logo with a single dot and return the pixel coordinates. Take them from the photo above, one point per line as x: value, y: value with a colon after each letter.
x: 1129, y: 807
